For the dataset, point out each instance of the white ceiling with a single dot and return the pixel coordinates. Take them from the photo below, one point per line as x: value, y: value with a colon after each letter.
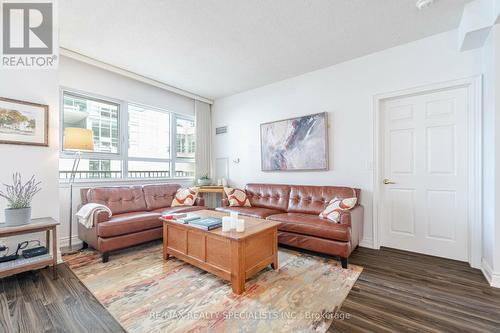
x: 216, y: 48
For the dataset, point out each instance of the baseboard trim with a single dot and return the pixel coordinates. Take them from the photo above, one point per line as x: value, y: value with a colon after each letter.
x: 366, y: 242
x: 492, y: 277
x: 64, y: 241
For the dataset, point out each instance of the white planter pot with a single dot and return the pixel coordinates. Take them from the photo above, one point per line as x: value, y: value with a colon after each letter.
x: 204, y: 182
x: 18, y: 216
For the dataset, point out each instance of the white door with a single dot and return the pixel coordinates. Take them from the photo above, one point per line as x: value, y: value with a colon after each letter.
x: 423, y: 207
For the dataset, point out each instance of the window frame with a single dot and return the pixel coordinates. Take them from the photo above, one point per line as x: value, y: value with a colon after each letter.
x: 173, y: 152
x: 123, y: 137
x: 90, y: 155
x: 148, y: 159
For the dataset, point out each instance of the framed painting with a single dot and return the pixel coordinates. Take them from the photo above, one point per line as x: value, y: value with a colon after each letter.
x: 23, y: 123
x: 295, y: 144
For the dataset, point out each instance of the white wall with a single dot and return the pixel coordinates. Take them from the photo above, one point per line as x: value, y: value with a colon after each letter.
x: 38, y: 86
x: 496, y: 37
x: 489, y: 210
x: 74, y: 74
x: 491, y: 168
x: 345, y: 91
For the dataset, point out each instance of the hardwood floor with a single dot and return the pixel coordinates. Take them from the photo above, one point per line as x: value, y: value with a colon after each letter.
x: 400, y: 291
x: 34, y: 302
x: 396, y: 292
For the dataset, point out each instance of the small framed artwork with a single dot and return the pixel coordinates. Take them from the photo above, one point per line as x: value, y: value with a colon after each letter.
x: 296, y: 144
x: 23, y: 123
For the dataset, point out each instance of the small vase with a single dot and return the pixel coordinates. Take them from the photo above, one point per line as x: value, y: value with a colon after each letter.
x: 204, y: 182
x: 17, y: 216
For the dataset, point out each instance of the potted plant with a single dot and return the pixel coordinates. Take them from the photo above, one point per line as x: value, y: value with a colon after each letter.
x: 19, y: 196
x: 204, y: 180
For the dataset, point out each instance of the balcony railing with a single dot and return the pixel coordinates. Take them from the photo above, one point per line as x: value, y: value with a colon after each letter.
x: 118, y: 174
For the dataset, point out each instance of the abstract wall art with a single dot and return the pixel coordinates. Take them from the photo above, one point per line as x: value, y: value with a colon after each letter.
x: 23, y: 123
x: 295, y: 144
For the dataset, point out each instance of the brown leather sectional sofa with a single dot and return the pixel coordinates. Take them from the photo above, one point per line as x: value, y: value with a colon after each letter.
x: 297, y: 208
x: 135, y: 220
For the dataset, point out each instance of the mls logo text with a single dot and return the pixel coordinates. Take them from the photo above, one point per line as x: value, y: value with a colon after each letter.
x: 28, y: 32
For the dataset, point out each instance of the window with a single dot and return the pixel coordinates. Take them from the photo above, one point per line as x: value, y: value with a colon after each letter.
x: 99, y: 116
x: 185, y: 137
x: 184, y: 169
x: 91, y: 169
x: 149, y: 132
x: 138, y: 169
x: 148, y: 142
x: 185, y: 147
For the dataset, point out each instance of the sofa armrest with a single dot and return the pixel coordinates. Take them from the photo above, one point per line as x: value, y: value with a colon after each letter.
x: 200, y: 200
x: 224, y: 202
x: 354, y: 219
x: 101, y: 216
x: 89, y: 235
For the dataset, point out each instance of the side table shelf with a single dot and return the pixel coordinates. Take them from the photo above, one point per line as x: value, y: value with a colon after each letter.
x: 23, y: 264
x: 27, y: 264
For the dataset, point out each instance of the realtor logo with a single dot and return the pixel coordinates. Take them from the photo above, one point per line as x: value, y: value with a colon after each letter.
x: 28, y: 34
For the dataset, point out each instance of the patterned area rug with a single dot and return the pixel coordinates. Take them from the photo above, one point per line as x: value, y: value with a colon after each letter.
x: 147, y: 294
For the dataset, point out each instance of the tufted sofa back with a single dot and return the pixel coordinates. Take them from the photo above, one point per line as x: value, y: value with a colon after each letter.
x: 272, y: 196
x: 314, y: 199
x: 159, y: 195
x: 120, y: 199
x: 297, y: 198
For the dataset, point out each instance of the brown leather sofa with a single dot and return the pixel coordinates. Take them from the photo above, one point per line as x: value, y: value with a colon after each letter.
x: 135, y: 220
x: 297, y: 207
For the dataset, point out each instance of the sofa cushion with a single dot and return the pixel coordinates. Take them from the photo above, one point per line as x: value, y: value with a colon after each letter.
x: 159, y: 195
x: 120, y: 199
x: 270, y: 196
x: 257, y: 212
x: 129, y: 223
x: 312, y: 225
x: 237, y: 197
x: 314, y: 199
x: 185, y: 196
x: 336, y: 207
x: 179, y: 209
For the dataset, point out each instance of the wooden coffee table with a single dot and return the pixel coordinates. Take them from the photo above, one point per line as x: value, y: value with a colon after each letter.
x: 232, y: 256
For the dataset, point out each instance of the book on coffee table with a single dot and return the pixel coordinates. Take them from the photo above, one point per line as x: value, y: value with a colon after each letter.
x: 208, y: 223
x: 173, y: 216
x: 186, y: 220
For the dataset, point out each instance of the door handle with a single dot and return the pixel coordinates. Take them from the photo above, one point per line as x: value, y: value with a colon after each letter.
x: 388, y: 181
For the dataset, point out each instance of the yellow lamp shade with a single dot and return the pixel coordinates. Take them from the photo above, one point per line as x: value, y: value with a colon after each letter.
x: 78, y: 139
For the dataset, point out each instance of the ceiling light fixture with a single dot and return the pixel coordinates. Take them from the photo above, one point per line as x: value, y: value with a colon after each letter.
x: 421, y: 4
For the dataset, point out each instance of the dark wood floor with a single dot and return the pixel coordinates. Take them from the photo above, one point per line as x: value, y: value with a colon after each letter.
x: 397, y: 292
x: 34, y: 302
x: 400, y: 291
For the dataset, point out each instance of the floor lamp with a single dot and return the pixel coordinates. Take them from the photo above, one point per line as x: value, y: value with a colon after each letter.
x: 77, y: 140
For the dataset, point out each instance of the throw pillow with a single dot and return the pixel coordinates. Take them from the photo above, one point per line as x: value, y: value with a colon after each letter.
x: 237, y: 197
x: 336, y: 206
x: 185, y: 196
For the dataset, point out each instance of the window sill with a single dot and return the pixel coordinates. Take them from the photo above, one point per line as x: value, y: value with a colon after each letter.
x: 64, y: 183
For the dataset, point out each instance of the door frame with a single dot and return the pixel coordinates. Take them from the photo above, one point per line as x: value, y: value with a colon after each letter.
x: 474, y: 158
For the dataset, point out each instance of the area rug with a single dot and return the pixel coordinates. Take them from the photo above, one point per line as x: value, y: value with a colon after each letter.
x: 147, y: 294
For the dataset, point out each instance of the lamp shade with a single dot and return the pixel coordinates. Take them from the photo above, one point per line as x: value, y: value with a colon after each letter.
x: 78, y: 139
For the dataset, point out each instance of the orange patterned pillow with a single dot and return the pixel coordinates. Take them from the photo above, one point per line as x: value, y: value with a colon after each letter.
x: 185, y: 196
x: 336, y: 206
x: 237, y: 197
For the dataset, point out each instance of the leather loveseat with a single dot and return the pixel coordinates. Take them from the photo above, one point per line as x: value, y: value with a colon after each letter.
x: 297, y: 207
x: 135, y: 220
